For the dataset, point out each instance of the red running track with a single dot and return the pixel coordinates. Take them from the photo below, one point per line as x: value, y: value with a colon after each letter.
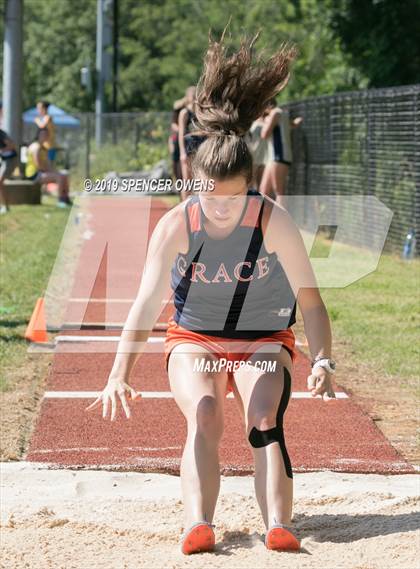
x: 337, y: 435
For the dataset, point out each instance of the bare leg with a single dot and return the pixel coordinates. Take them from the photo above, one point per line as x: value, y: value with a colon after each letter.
x: 178, y: 176
x: 266, y: 185
x: 178, y: 170
x: 3, y: 195
x: 200, y: 396
x: 186, y: 175
x: 64, y: 185
x: 259, y: 175
x: 261, y: 393
x: 279, y: 174
x: 60, y: 179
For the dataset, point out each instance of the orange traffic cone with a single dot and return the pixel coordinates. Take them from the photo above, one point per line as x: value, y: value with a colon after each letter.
x: 37, y: 329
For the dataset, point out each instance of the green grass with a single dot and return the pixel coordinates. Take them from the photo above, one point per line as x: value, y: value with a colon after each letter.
x: 30, y: 237
x: 379, y: 315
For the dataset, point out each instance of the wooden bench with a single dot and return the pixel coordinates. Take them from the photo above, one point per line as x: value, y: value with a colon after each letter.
x: 22, y: 192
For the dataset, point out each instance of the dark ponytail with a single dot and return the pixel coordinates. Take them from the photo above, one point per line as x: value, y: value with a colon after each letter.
x: 231, y: 93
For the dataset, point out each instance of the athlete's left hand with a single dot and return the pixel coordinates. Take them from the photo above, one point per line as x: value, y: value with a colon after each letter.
x: 319, y: 383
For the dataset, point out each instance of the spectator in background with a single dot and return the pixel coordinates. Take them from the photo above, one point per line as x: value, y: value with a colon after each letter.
x: 9, y: 161
x: 186, y: 126
x: 258, y: 149
x: 44, y: 120
x: 39, y: 169
x: 277, y: 132
x: 173, y: 139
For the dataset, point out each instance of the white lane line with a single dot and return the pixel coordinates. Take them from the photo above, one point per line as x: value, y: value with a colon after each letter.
x: 109, y: 300
x: 100, y: 449
x: 163, y: 395
x: 90, y: 325
x: 78, y: 449
x: 307, y: 395
x: 151, y: 339
x: 101, y: 299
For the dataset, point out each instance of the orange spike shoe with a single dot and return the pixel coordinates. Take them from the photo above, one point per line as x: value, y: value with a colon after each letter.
x: 280, y: 538
x: 199, y: 538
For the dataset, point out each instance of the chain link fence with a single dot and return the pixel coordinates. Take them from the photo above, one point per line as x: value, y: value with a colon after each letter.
x: 361, y: 143
x: 357, y: 143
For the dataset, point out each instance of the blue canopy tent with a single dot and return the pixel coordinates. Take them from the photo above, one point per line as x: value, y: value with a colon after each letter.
x: 60, y: 117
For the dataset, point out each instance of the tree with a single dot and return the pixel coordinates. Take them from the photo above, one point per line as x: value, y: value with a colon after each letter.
x: 380, y: 38
x: 59, y: 39
x: 162, y: 43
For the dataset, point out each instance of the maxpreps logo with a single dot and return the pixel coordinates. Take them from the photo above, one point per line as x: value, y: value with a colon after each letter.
x: 203, y: 365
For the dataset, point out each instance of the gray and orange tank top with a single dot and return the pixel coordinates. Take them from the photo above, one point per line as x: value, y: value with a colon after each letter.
x: 231, y: 287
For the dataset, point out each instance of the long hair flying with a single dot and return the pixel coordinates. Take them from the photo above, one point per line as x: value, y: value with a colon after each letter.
x: 232, y: 92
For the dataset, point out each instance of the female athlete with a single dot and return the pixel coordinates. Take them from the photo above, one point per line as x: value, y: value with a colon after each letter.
x: 276, y: 131
x: 237, y: 264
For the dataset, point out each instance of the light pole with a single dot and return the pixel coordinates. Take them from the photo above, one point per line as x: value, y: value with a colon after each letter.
x: 103, y: 61
x: 12, y: 70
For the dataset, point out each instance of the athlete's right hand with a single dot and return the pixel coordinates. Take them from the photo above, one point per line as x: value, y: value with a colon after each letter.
x: 114, y: 388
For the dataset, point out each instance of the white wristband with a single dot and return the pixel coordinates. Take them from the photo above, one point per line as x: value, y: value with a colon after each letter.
x: 325, y: 363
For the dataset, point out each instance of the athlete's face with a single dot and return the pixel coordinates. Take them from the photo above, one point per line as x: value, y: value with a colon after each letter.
x: 224, y: 205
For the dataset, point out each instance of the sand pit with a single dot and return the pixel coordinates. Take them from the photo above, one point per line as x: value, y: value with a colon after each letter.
x: 86, y: 519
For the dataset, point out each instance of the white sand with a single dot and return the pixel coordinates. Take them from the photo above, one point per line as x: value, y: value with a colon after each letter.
x: 94, y: 519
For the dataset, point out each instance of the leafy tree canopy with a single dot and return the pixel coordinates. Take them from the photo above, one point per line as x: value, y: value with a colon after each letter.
x: 343, y: 45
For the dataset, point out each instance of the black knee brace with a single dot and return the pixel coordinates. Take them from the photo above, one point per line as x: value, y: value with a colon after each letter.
x: 260, y: 439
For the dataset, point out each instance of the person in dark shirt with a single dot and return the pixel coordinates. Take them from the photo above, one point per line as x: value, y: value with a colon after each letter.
x: 173, y: 141
x: 9, y: 161
x: 185, y: 127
